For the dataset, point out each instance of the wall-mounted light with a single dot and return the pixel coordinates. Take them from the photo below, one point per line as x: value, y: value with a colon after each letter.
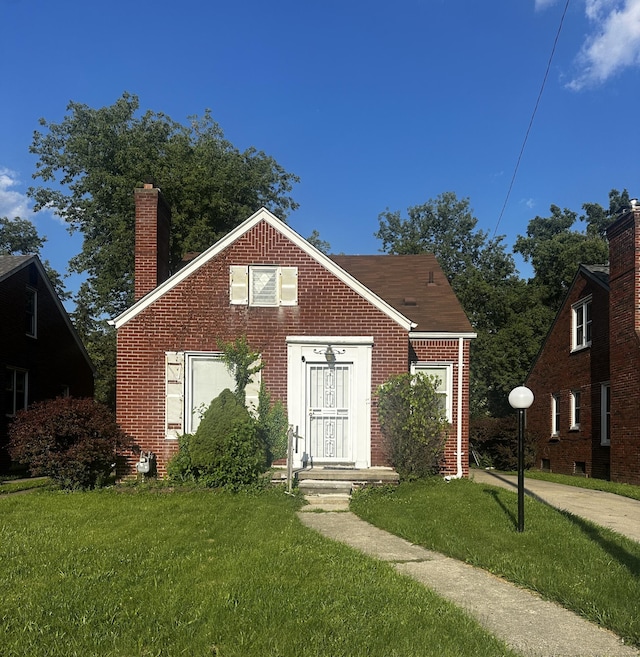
x: 330, y: 355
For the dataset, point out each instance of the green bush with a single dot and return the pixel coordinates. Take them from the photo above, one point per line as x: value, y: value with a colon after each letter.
x: 495, y: 443
x: 227, y: 450
x: 180, y: 467
x: 273, y: 425
x: 72, y: 441
x: 413, y: 424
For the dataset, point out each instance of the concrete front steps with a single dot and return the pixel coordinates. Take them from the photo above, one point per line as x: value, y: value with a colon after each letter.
x: 329, y: 488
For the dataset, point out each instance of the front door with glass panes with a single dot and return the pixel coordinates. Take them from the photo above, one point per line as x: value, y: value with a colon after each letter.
x: 328, y: 396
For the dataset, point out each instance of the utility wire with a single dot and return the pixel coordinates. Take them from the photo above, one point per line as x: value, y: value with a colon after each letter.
x: 535, y: 109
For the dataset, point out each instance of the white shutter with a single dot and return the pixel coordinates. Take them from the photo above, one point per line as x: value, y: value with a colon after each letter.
x: 289, y: 286
x: 239, y: 285
x: 174, y: 390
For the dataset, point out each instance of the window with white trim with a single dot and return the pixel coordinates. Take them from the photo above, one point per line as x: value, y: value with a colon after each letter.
x: 605, y: 414
x: 442, y: 376
x: 31, y: 312
x: 263, y: 285
x: 193, y: 381
x: 16, y: 390
x: 575, y: 409
x: 581, y: 324
x: 555, y: 414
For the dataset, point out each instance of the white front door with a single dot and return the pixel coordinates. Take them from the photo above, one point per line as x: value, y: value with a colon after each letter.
x: 328, y: 390
x: 329, y: 399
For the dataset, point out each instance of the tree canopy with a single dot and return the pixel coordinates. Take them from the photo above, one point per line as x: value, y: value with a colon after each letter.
x: 90, y: 163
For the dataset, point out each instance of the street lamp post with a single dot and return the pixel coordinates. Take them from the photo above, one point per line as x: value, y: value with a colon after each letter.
x: 520, y: 398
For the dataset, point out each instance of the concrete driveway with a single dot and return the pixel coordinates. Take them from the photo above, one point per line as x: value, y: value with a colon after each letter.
x: 621, y: 514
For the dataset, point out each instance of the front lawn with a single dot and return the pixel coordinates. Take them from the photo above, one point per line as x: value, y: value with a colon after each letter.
x: 201, y: 573
x: 586, y: 568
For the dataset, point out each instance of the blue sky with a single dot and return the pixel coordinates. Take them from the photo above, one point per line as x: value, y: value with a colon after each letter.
x: 373, y: 104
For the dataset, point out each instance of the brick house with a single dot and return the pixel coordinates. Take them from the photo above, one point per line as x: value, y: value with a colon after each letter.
x: 586, y: 378
x: 330, y: 330
x: 41, y: 355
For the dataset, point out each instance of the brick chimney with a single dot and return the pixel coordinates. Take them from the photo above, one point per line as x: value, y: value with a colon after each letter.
x: 624, y: 330
x: 153, y: 221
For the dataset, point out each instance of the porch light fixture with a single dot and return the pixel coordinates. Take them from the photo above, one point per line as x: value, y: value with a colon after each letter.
x: 521, y: 398
x: 330, y: 355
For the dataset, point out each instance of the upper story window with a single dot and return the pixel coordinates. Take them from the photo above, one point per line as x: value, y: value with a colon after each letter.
x: 31, y: 312
x: 15, y: 390
x: 263, y: 285
x: 442, y: 376
x: 581, y: 324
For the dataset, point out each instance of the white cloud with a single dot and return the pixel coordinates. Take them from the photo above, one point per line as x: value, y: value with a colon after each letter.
x: 12, y: 203
x: 543, y: 4
x: 528, y: 202
x: 613, y: 45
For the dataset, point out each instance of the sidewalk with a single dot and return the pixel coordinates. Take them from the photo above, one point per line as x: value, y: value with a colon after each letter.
x: 621, y: 514
x: 525, y: 622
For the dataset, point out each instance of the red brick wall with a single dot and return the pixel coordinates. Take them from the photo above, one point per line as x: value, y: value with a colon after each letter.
x: 196, y: 313
x: 624, y: 247
x: 445, y: 351
x: 557, y: 370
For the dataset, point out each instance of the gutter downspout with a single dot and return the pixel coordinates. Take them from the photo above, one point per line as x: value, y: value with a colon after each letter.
x: 458, y: 474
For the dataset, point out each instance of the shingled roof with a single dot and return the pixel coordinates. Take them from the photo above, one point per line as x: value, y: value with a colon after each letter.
x: 414, y: 285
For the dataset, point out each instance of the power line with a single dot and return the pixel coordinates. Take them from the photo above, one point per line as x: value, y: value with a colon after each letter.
x: 535, y: 109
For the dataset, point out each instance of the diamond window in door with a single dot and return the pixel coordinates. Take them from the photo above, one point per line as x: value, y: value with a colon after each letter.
x: 328, y: 397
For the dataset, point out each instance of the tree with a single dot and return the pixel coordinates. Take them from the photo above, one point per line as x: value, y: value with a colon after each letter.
x: 319, y: 243
x: 555, y: 250
x: 483, y: 276
x: 91, y: 161
x: 20, y: 237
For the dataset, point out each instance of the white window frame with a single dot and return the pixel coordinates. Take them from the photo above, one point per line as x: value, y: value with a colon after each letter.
x: 555, y: 414
x: 581, y: 324
x: 576, y: 407
x: 605, y: 413
x: 446, y: 382
x: 31, y: 315
x: 11, y: 390
x: 191, y: 360
x: 242, y: 290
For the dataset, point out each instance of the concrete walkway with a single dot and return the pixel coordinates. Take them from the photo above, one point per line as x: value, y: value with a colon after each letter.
x: 621, y: 514
x: 526, y: 623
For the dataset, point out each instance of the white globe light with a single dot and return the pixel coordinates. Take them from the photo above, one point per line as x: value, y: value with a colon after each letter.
x: 520, y: 397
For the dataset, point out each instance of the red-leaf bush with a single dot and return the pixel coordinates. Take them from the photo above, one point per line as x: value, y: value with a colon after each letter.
x: 73, y: 441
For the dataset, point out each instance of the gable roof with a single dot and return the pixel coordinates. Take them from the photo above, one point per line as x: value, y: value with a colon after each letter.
x: 12, y: 264
x: 264, y: 215
x: 413, y: 284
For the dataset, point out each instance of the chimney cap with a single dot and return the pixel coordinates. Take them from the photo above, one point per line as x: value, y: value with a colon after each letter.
x: 149, y: 182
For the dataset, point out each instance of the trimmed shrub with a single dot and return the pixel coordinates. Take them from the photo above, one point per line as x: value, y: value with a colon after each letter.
x: 227, y: 450
x: 73, y: 441
x: 413, y: 424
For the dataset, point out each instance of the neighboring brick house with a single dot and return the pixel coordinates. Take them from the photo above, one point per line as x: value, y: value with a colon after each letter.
x: 329, y: 332
x: 586, y: 378
x: 41, y: 355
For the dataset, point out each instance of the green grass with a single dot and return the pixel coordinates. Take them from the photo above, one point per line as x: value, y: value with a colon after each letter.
x: 586, y: 568
x: 626, y: 490
x: 200, y: 573
x: 19, y: 485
